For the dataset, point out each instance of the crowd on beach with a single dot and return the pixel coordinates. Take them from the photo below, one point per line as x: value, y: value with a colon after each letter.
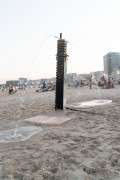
x: 46, y: 87
x: 41, y: 88
x: 10, y: 89
x: 106, y: 84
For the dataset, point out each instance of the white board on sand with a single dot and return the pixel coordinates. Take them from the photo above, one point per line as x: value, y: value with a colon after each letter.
x: 88, y: 104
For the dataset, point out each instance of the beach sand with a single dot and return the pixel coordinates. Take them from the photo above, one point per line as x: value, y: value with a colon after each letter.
x: 85, y: 148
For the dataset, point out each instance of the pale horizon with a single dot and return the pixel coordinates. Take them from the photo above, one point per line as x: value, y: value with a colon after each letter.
x: 28, y: 45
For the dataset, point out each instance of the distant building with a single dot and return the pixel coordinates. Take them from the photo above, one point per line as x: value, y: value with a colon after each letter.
x: 71, y: 77
x: 98, y: 74
x: 81, y: 77
x: 22, y: 81
x: 12, y: 83
x: 111, y: 63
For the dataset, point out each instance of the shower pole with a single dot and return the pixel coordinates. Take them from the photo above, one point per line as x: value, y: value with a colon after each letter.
x: 61, y: 71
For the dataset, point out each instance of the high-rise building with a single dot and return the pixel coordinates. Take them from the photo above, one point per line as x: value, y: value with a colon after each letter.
x: 111, y: 63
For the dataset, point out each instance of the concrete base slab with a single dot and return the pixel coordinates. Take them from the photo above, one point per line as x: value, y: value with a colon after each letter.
x: 48, y: 120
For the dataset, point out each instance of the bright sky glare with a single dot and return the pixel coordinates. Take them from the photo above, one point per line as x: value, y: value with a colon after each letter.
x: 27, y: 29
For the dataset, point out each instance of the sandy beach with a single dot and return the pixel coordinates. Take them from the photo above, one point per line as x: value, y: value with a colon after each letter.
x: 85, y: 148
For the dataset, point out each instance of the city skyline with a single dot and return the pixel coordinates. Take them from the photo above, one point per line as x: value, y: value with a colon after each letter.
x: 28, y: 45
x: 53, y: 78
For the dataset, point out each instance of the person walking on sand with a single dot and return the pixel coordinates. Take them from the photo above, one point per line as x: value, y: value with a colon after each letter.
x: 44, y: 85
x: 90, y: 81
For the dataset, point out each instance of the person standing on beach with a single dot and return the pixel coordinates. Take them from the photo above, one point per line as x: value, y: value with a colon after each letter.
x: 90, y: 81
x: 44, y: 85
x: 103, y: 81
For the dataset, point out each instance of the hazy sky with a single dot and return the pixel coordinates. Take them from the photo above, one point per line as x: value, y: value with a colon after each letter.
x: 27, y: 29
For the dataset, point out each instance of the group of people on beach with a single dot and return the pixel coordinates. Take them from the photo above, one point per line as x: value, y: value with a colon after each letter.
x: 49, y: 87
x: 45, y: 88
x: 106, y: 84
x: 103, y: 83
x: 11, y: 90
